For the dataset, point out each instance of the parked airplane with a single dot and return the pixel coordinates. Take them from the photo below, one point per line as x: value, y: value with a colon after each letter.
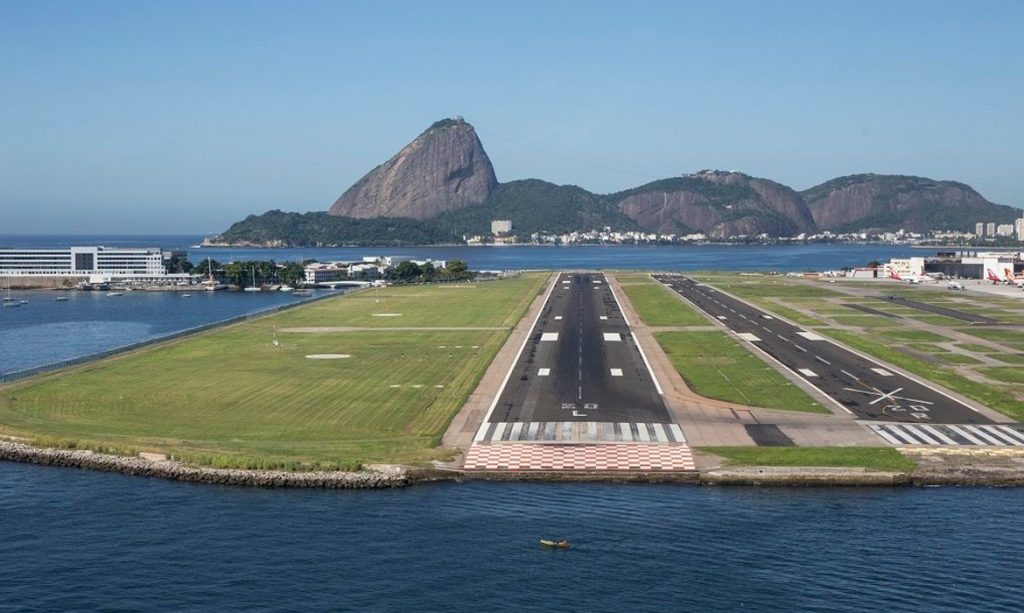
x: 953, y: 285
x: 910, y: 278
x: 993, y: 277
x: 1011, y: 278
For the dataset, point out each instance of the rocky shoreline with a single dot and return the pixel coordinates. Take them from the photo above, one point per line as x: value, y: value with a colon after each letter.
x: 946, y: 471
x: 379, y: 476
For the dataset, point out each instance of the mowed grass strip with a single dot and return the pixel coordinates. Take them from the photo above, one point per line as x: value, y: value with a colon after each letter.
x: 874, y: 458
x: 657, y: 305
x: 716, y: 366
x: 233, y: 398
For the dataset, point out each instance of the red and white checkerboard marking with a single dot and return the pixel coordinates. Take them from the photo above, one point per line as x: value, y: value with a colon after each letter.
x: 543, y: 457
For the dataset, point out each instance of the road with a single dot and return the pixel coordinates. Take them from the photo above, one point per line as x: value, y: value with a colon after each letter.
x: 865, y: 388
x: 581, y: 365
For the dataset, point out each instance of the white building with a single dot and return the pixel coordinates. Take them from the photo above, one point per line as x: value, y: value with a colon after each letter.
x: 325, y: 273
x: 97, y: 264
x: 501, y: 226
x: 979, y: 229
x: 1019, y: 226
x: 990, y: 228
x: 905, y: 267
x: 1004, y: 229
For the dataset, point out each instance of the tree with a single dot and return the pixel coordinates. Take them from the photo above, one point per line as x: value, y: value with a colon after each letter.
x: 457, y: 269
x: 407, y: 271
x: 179, y: 264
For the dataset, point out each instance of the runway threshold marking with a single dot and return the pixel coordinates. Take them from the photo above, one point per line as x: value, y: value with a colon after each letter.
x: 949, y: 434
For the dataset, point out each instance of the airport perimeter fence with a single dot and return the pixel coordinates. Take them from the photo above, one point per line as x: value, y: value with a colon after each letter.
x: 7, y: 377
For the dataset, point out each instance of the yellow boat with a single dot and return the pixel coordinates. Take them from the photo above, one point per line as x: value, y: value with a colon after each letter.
x: 564, y: 544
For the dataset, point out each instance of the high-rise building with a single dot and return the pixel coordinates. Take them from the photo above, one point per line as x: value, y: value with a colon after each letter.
x: 1005, y: 229
x: 990, y: 228
x: 979, y: 229
x: 501, y: 226
x: 1020, y: 229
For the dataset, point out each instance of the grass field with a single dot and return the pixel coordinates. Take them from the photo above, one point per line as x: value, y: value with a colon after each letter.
x: 232, y: 397
x: 658, y: 306
x: 716, y: 366
x: 875, y: 458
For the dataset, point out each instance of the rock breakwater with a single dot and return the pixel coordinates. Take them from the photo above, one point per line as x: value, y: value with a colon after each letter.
x: 379, y: 477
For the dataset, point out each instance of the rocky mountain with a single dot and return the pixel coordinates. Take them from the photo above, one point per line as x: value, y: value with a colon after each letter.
x: 442, y: 186
x: 719, y: 204
x: 891, y: 202
x: 443, y: 169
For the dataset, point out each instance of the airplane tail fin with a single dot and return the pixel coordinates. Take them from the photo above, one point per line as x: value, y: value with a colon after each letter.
x: 893, y: 275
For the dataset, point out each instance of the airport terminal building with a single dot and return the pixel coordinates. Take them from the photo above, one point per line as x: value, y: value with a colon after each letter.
x: 95, y: 264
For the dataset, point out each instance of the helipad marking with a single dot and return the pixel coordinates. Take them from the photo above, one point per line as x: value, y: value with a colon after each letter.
x: 747, y: 336
x: 543, y: 372
x: 811, y: 336
x: 807, y: 372
x: 612, y: 336
x: 882, y: 371
x: 616, y: 372
x: 549, y: 336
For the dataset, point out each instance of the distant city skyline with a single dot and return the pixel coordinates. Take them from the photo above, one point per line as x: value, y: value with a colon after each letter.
x: 183, y: 118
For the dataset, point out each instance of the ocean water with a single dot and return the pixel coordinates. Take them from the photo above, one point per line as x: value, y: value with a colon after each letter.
x: 83, y: 540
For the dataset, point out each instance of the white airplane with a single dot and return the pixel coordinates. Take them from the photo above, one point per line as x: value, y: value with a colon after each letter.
x: 1013, y: 279
x: 953, y: 285
x: 909, y: 278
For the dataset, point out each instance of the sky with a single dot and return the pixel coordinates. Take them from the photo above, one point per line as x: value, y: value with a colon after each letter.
x: 183, y: 117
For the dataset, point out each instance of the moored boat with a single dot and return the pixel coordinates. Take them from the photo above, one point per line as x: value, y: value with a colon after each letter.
x: 561, y: 543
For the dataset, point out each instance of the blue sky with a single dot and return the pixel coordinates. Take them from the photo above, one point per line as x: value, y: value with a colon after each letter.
x: 138, y: 117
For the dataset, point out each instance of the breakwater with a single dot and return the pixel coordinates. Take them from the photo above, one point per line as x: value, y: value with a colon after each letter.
x: 379, y: 477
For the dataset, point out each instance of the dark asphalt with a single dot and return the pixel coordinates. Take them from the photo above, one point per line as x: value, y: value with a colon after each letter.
x: 939, y: 310
x: 867, y: 389
x: 580, y: 385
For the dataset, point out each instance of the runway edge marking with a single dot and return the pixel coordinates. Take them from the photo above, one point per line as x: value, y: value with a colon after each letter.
x: 482, y: 430
x: 636, y: 341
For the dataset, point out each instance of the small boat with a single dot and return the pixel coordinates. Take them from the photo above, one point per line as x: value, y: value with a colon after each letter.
x: 286, y: 288
x: 186, y: 295
x: 115, y: 293
x: 11, y: 305
x: 561, y: 543
x: 61, y: 299
x: 253, y: 287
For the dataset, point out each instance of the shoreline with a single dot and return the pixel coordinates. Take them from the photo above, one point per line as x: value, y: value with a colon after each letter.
x: 388, y: 476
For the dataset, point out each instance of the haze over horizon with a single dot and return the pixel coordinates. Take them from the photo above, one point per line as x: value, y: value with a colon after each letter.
x: 137, y: 118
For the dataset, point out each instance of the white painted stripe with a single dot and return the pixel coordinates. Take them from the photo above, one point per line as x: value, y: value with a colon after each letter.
x: 549, y: 336
x: 1008, y: 431
x: 659, y: 433
x: 627, y: 434
x: 616, y: 372
x: 822, y: 360
x: 916, y: 430
x: 566, y: 282
x: 767, y: 317
x: 604, y: 317
x: 543, y: 372
x: 811, y: 336
x: 558, y: 317
x: 967, y: 435
x: 722, y: 317
x: 807, y: 372
x: 531, y: 432
x: 938, y: 434
x: 997, y: 432
x: 650, y: 370
x: 597, y: 283
x: 747, y: 336
x: 612, y: 336
x: 516, y: 429
x: 888, y: 437
x: 906, y: 436
x: 882, y: 371
x: 677, y: 433
x: 645, y: 436
x: 975, y: 430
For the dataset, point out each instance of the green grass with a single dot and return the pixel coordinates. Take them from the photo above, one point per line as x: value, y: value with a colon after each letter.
x: 958, y: 359
x: 659, y: 306
x: 232, y: 398
x: 1003, y: 337
x: 874, y: 458
x: 987, y: 395
x: 916, y: 336
x: 1010, y: 374
x: 862, y: 321
x: 1008, y: 358
x: 974, y: 348
x: 716, y: 366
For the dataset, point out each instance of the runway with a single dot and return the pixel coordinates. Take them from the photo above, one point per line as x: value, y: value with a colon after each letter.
x: 859, y: 385
x: 581, y: 363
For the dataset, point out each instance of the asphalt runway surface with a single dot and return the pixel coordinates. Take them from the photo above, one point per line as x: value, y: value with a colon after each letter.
x: 866, y: 388
x: 581, y: 363
x: 939, y: 310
